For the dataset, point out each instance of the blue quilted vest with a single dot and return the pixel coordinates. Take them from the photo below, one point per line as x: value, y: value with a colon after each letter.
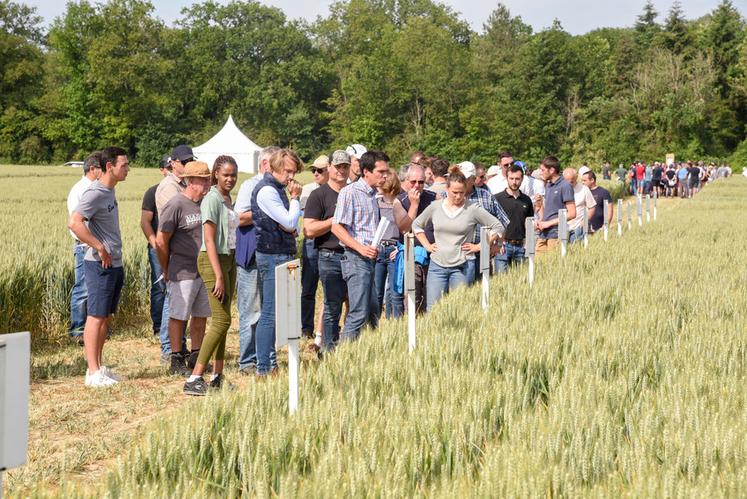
x: 271, y: 238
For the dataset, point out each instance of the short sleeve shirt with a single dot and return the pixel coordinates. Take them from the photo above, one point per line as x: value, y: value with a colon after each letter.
x: 183, y: 219
x: 149, y: 204
x: 600, y: 195
x: 170, y: 186
x: 321, y: 206
x: 557, y: 194
x: 98, y: 205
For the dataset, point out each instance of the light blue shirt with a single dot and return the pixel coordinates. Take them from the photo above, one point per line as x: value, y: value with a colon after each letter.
x: 244, y: 197
x: 269, y: 201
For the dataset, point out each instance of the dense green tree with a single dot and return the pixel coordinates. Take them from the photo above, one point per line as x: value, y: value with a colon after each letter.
x: 646, y: 27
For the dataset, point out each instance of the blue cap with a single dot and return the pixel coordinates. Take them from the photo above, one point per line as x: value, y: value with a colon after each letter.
x: 521, y: 165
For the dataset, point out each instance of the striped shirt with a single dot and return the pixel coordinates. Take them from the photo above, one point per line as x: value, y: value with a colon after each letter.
x: 358, y: 211
x: 485, y: 199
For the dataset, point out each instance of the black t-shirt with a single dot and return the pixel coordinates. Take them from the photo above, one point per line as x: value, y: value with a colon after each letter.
x: 321, y: 206
x: 149, y: 204
x: 517, y: 209
x: 596, y: 221
x: 694, y: 172
x: 656, y: 174
x: 670, y: 174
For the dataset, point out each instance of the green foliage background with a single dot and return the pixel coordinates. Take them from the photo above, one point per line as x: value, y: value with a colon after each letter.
x: 399, y: 75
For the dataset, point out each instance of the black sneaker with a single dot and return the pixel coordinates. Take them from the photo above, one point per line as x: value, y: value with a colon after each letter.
x: 177, y: 365
x: 192, y: 361
x: 216, y: 382
x: 197, y: 387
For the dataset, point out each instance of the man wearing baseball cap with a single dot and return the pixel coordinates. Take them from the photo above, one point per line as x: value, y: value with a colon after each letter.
x: 355, y: 152
x: 178, y: 243
x: 171, y: 186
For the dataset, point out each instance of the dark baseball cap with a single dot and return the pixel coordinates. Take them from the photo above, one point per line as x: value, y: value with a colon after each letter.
x: 165, y: 162
x: 182, y: 153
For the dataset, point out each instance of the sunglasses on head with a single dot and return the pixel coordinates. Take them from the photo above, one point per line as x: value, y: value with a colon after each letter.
x: 314, y: 169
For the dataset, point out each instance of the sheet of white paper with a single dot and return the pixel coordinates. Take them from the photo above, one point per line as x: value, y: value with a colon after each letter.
x: 380, y: 230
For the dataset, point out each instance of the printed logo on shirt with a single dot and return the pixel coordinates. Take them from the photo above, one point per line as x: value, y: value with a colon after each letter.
x: 111, y: 207
x: 193, y: 219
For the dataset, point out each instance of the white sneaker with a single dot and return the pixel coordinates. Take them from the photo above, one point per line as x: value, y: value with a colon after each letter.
x: 318, y: 339
x: 99, y: 380
x: 110, y: 374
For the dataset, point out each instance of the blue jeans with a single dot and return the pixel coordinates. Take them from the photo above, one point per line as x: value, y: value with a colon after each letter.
x: 157, y: 290
x: 309, y: 283
x: 265, y: 332
x: 442, y: 280
x: 472, y: 269
x: 335, y: 291
x: 576, y: 234
x: 512, y: 255
x: 384, y: 273
x: 250, y: 308
x: 79, y: 294
x: 358, y: 273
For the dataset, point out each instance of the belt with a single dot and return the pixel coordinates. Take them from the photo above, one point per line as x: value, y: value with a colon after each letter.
x: 515, y: 242
x: 389, y: 243
x: 339, y: 251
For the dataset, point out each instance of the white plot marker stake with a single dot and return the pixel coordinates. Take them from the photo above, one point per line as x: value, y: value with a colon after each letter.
x: 15, y: 360
x: 619, y: 218
x: 563, y: 231
x: 585, y: 227
x: 410, y: 289
x: 288, y: 322
x: 648, y: 208
x: 639, y: 209
x: 606, y: 215
x: 485, y: 265
x: 529, y: 247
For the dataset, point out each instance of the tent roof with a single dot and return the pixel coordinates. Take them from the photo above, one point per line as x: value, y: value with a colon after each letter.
x: 229, y: 140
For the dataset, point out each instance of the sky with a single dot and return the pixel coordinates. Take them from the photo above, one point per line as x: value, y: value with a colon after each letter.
x: 576, y: 16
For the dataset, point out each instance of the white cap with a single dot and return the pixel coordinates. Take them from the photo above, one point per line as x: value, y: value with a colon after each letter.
x: 583, y: 169
x: 356, y: 150
x: 467, y: 168
x: 494, y: 170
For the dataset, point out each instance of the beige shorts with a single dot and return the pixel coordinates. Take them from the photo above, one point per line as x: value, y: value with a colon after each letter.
x: 546, y: 245
x: 188, y: 298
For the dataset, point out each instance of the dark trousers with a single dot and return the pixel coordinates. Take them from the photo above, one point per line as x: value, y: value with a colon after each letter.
x: 309, y: 283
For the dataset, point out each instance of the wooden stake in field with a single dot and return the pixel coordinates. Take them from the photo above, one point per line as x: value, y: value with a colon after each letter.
x: 656, y: 196
x: 288, y: 322
x: 585, y: 227
x: 606, y: 215
x: 648, y: 208
x: 619, y: 218
x: 530, y: 243
x: 639, y: 209
x: 485, y: 265
x: 563, y: 231
x: 410, y: 288
x: 630, y: 216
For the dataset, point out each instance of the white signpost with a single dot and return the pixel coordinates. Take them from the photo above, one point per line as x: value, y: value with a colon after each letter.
x: 648, y: 208
x: 656, y: 197
x: 639, y: 209
x: 485, y: 265
x: 288, y: 322
x: 563, y: 231
x: 15, y: 366
x: 619, y: 218
x: 530, y: 242
x: 585, y: 227
x: 410, y: 289
x: 606, y: 215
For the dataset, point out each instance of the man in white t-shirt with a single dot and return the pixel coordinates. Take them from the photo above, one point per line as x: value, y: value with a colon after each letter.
x: 79, y: 295
x: 498, y: 183
x: 583, y: 199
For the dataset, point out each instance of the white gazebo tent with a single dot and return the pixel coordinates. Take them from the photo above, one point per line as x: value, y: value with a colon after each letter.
x: 231, y: 141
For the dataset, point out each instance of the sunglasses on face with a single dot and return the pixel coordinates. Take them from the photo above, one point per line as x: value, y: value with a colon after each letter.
x: 419, y: 182
x: 318, y: 170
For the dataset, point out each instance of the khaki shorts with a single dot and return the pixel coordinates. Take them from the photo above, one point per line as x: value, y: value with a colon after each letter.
x: 546, y: 245
x: 188, y: 298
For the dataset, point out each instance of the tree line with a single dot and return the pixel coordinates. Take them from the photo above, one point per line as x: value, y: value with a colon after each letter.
x: 399, y: 75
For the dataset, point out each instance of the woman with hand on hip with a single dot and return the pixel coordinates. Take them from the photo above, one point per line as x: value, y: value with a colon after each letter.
x: 217, y: 268
x: 454, y: 220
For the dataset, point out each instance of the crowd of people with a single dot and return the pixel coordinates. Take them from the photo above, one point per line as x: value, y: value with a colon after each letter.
x: 683, y: 179
x: 206, y: 247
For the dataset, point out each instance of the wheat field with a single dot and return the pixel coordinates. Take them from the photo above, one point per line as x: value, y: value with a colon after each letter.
x: 620, y: 373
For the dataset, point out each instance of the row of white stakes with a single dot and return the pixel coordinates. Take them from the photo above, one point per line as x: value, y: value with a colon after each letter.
x: 288, y: 281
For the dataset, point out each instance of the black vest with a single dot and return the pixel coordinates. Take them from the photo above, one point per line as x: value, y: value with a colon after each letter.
x: 271, y: 238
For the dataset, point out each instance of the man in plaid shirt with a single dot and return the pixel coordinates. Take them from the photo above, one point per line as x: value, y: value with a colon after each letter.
x: 354, y: 224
